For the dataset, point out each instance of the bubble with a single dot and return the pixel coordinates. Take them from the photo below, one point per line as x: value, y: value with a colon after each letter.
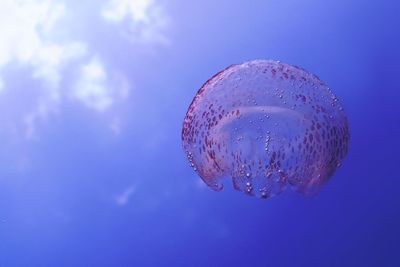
x: 238, y: 126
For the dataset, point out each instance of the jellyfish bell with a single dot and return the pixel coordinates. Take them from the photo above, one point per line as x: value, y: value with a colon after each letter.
x: 267, y: 125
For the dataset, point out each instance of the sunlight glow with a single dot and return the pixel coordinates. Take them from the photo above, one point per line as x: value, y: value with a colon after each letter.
x: 54, y: 69
x: 146, y: 20
x: 91, y: 88
x: 25, y: 38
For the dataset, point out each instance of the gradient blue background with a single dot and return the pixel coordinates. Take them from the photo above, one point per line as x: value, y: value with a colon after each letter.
x: 62, y: 211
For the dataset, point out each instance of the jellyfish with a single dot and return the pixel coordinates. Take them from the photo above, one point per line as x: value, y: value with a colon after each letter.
x: 267, y: 125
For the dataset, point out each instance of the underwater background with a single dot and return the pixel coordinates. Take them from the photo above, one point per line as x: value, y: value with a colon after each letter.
x: 92, y: 99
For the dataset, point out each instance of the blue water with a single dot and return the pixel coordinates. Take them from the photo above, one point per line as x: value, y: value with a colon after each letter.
x: 89, y: 199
